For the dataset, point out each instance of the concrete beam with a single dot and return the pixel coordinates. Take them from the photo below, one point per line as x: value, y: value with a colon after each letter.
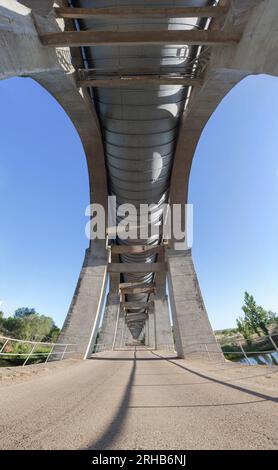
x: 136, y: 317
x: 122, y: 285
x: 135, y: 249
x: 136, y: 305
x: 138, y: 80
x: 131, y: 38
x: 138, y: 290
x: 141, y: 12
x: 136, y: 267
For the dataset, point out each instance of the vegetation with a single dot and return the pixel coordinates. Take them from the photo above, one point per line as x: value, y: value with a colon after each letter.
x: 252, y: 330
x: 255, y: 320
x: 27, y: 324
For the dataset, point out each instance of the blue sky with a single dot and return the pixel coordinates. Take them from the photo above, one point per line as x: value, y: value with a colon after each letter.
x: 44, y: 192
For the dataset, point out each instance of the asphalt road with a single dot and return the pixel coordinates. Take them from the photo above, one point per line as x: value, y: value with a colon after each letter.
x: 139, y: 400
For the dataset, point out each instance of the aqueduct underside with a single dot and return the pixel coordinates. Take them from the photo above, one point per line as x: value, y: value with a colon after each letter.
x: 139, y: 81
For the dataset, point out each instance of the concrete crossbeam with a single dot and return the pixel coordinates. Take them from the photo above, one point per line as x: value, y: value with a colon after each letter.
x: 138, y: 290
x: 136, y: 267
x: 135, y: 249
x: 131, y: 38
x: 133, y: 305
x: 138, y: 80
x: 141, y: 12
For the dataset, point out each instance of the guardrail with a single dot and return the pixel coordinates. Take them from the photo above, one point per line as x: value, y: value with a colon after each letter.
x: 6, y: 342
x: 210, y: 351
x: 101, y: 347
x: 166, y: 347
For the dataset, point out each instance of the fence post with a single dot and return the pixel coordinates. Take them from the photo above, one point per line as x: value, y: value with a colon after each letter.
x: 244, y: 353
x: 30, y: 353
x: 4, y: 345
x: 50, y: 352
x: 273, y: 342
x: 64, y: 352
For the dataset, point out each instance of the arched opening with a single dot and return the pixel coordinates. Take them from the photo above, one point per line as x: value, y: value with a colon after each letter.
x: 234, y: 189
x: 44, y: 191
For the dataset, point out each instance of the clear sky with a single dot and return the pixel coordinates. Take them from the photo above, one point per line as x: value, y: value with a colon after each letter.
x: 44, y: 192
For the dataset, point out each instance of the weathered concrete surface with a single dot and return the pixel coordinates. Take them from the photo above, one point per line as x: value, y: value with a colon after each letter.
x: 164, y: 337
x: 83, y: 318
x: 119, y: 340
x: 151, y: 328
x: 108, y: 330
x: 153, y: 404
x: 192, y: 330
x: 21, y: 50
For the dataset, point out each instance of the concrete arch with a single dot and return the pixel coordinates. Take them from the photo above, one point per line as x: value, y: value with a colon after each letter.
x: 52, y: 68
x: 255, y: 54
x: 23, y: 55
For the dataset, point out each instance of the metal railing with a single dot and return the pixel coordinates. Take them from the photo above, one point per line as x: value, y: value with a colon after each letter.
x: 239, y: 343
x: 101, y: 347
x: 33, y: 345
x: 166, y: 347
x: 186, y: 67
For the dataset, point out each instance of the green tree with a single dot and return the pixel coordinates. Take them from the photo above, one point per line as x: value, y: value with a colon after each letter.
x: 30, y: 327
x: 24, y: 311
x: 255, y: 317
x: 2, y: 320
x: 272, y: 317
x: 53, y: 335
x: 244, y: 328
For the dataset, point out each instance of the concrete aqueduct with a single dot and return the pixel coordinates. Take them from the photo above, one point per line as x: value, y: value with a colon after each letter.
x: 139, y: 81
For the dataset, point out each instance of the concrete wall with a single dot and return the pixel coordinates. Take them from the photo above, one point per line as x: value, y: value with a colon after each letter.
x: 192, y: 330
x: 82, y: 321
x: 108, y: 330
x: 164, y: 337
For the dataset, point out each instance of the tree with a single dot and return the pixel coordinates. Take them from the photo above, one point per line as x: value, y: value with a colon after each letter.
x: 272, y: 317
x: 24, y: 311
x: 2, y: 320
x: 255, y: 317
x: 30, y: 327
x: 244, y: 329
x: 53, y: 335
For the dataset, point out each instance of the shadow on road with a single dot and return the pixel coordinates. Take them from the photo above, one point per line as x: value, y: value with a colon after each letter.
x: 197, y: 405
x: 93, y: 358
x: 114, y: 428
x: 222, y: 382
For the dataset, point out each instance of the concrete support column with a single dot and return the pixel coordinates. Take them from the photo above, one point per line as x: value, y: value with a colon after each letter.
x: 120, y: 330
x: 147, y: 332
x: 128, y: 339
x: 108, y: 330
x: 82, y: 321
x: 164, y: 336
x: 194, y: 336
x: 152, y: 328
x: 142, y: 335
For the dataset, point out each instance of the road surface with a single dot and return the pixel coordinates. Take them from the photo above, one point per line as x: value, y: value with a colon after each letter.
x: 139, y: 400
